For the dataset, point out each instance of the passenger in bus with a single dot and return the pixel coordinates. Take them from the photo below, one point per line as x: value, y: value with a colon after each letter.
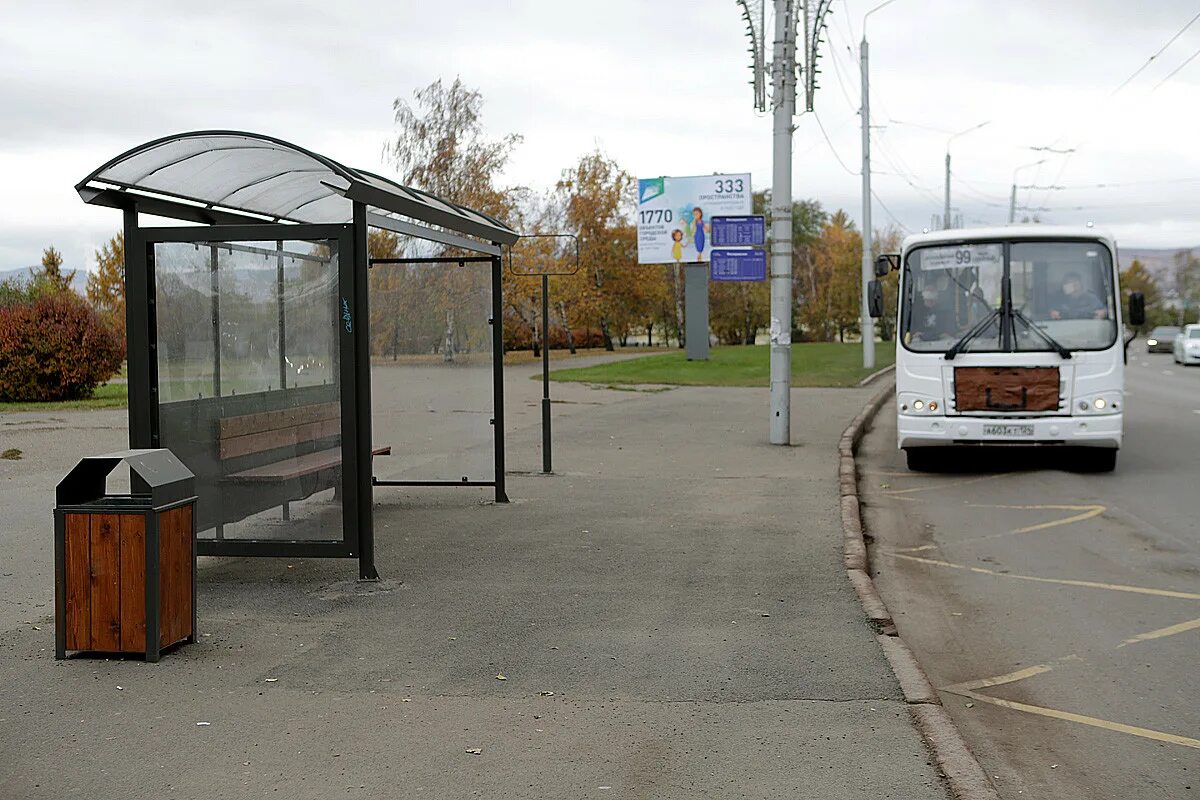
x: 934, y: 318
x: 1075, y: 302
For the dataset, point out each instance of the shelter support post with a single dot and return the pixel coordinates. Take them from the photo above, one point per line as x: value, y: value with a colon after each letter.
x: 357, y: 479
x: 139, y: 317
x: 498, y: 374
x: 546, y: 456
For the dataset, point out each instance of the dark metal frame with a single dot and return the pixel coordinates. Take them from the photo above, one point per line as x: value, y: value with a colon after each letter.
x: 375, y: 201
x: 497, y: 323
x: 353, y: 382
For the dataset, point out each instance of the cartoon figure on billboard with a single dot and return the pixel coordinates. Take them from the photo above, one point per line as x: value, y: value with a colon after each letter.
x: 698, y: 229
x: 677, y: 247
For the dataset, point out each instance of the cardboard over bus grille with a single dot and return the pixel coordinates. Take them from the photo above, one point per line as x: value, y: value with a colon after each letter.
x: 1006, y: 389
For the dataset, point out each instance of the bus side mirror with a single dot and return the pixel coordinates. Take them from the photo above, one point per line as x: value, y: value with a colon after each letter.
x: 1137, y: 309
x: 886, y: 263
x: 875, y: 299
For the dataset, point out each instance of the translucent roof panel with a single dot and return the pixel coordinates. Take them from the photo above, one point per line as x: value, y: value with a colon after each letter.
x: 254, y: 174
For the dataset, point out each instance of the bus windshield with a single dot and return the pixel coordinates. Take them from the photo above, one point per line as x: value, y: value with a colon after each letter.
x: 1058, y: 293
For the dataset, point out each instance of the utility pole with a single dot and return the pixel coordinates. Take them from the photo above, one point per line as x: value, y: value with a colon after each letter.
x: 1012, y: 199
x: 946, y: 213
x: 783, y: 85
x: 946, y: 222
x: 867, y: 324
x: 783, y: 108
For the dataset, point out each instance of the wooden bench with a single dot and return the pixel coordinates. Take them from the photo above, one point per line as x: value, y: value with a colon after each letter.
x: 268, y: 431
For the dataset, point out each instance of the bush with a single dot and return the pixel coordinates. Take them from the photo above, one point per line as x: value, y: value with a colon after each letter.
x: 54, y: 346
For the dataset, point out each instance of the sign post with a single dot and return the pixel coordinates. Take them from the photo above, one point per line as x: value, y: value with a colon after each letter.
x: 675, y: 222
x: 549, y: 263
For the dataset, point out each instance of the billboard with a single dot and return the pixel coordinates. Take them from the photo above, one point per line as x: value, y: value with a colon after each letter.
x: 674, y: 215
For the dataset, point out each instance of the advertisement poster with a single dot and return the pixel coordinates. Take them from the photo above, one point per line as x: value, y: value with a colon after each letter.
x: 674, y: 215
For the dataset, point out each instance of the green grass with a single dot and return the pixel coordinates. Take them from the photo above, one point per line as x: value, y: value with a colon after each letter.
x: 110, y: 395
x: 813, y: 364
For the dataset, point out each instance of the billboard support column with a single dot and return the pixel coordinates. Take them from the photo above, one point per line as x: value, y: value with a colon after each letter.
x: 784, y: 84
x: 695, y: 293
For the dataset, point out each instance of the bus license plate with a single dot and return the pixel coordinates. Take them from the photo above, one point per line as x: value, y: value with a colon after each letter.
x: 1008, y: 430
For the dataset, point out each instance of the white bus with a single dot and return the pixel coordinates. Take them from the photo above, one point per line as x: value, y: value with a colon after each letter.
x: 1009, y: 336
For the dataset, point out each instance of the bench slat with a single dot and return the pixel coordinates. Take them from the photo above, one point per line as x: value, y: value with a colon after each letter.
x: 274, y: 439
x: 296, y: 467
x: 247, y: 424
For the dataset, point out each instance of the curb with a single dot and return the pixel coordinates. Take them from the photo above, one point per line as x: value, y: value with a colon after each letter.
x: 966, y: 778
x: 867, y: 380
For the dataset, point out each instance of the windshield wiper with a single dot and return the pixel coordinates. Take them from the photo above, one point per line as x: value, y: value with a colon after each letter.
x: 1047, y: 338
x: 979, y: 328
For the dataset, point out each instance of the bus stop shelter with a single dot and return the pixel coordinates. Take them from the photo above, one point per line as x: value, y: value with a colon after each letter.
x: 248, y: 330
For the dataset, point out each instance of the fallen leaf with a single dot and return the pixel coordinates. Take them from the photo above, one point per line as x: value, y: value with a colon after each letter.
x: 501, y: 678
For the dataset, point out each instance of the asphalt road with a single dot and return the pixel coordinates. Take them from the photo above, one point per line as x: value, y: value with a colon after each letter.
x: 1058, y: 613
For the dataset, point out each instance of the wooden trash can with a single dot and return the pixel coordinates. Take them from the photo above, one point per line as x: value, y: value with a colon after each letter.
x: 125, y: 565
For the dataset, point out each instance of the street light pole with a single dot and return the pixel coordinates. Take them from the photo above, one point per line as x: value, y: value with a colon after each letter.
x: 867, y: 324
x: 1012, y: 199
x: 946, y: 216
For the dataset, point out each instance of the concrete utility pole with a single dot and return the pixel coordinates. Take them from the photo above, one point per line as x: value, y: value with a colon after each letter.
x: 946, y: 224
x: 867, y: 324
x: 868, y: 272
x: 1012, y: 199
x: 783, y: 84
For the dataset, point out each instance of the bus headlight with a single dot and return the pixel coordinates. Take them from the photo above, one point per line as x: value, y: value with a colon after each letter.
x: 1099, y: 404
x: 918, y: 404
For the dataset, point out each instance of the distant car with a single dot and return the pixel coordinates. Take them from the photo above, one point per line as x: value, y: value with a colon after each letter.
x: 1162, y: 339
x: 1187, y: 346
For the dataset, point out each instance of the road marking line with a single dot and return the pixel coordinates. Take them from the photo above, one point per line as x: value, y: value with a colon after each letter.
x: 944, y: 485
x: 1112, y: 587
x: 1089, y: 511
x: 1095, y: 722
x: 1170, y: 630
x: 1011, y: 677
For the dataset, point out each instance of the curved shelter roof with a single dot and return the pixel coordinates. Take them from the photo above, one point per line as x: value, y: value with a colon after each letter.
x: 235, y: 176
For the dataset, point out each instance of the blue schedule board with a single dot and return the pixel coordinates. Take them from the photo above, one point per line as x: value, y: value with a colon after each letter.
x: 749, y: 231
x: 738, y: 265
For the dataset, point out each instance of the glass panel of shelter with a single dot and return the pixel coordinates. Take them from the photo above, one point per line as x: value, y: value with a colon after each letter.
x: 432, y: 374
x: 249, y: 383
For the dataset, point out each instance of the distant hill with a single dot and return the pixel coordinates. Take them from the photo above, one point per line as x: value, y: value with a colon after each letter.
x: 25, y: 273
x: 1160, y: 262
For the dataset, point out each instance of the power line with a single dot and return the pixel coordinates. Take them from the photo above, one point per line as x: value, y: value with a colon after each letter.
x: 832, y: 149
x: 1181, y: 66
x: 888, y: 211
x: 1160, y: 51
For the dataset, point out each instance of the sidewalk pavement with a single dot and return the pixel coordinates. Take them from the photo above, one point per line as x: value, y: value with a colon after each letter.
x: 668, y: 616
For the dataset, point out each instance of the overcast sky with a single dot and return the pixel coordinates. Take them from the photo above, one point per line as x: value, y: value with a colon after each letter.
x: 661, y: 87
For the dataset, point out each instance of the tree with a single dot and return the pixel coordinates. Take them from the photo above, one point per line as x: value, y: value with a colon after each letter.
x: 597, y: 197
x: 888, y: 240
x: 441, y: 147
x: 829, y: 280
x: 106, y: 286
x: 1136, y: 278
x: 51, y: 271
x: 1187, y: 282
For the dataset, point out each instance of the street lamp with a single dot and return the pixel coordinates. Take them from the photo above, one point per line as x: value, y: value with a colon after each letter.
x: 946, y: 217
x: 1012, y: 199
x: 867, y: 324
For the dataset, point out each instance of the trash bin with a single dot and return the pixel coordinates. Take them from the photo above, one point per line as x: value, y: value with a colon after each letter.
x: 125, y: 565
